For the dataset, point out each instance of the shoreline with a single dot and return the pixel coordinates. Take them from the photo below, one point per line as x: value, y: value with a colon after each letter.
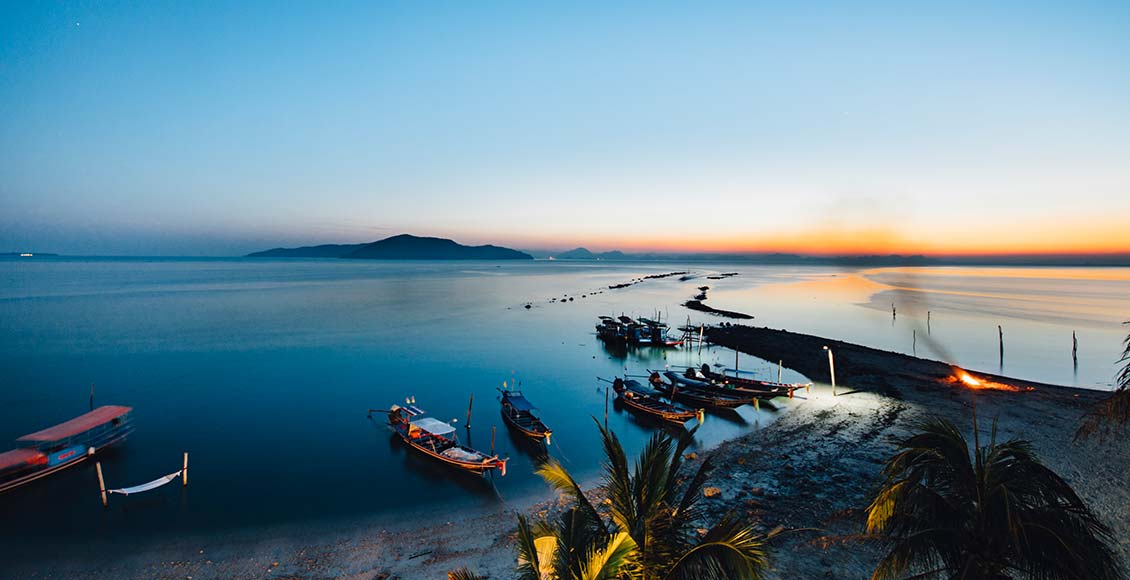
x: 815, y: 467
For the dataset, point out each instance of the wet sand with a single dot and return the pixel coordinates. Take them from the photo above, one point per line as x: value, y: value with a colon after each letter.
x: 813, y: 470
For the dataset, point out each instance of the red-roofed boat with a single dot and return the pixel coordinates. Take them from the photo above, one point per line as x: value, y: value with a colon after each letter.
x: 56, y: 448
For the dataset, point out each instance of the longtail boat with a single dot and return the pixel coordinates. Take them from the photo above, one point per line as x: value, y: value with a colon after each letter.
x: 518, y: 412
x: 641, y: 400
x: 64, y: 445
x: 745, y: 384
x: 433, y: 438
x: 695, y: 381
x: 612, y: 331
x: 698, y: 396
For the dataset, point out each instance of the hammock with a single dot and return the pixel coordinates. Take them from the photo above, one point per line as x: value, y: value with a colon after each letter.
x: 147, y: 486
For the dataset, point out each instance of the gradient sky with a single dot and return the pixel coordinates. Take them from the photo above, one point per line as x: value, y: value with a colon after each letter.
x: 203, y: 128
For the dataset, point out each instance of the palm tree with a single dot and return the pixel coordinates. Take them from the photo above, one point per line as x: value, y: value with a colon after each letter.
x: 1113, y: 414
x: 649, y: 533
x: 1000, y: 514
x: 463, y: 574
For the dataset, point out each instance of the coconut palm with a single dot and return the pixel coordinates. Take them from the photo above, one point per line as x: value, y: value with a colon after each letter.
x: 463, y: 574
x: 1113, y: 414
x: 649, y: 531
x: 997, y: 514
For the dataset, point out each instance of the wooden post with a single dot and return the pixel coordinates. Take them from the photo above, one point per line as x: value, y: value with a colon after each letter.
x: 91, y: 396
x: 492, y: 440
x: 1074, y: 348
x: 914, y: 343
x: 927, y: 322
x: 184, y: 471
x: 735, y: 362
x: 701, y: 330
x: 101, y: 482
x: 606, y: 407
x: 1000, y: 333
x: 893, y: 312
x: 757, y: 404
x: 781, y: 363
x: 831, y: 369
x: 469, y: 404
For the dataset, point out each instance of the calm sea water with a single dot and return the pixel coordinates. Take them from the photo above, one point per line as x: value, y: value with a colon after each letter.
x: 264, y: 370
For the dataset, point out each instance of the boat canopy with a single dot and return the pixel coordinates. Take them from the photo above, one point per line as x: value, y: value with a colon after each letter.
x: 17, y: 457
x: 519, y: 402
x: 433, y: 426
x: 80, y: 424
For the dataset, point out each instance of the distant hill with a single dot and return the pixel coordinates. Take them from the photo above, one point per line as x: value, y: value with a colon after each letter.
x: 402, y: 247
x: 323, y: 251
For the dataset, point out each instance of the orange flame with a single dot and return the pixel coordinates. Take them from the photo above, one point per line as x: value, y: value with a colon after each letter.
x: 960, y: 376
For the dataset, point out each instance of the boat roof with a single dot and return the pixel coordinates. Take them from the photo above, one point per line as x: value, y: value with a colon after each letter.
x: 433, y: 426
x: 80, y: 424
x: 519, y: 402
x: 18, y: 457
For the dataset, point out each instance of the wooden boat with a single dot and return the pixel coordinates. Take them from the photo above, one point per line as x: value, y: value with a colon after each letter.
x: 698, y: 396
x: 518, y: 412
x: 433, y: 438
x: 694, y: 380
x: 611, y: 331
x: 746, y: 384
x: 641, y: 400
x: 647, y: 332
x: 64, y: 445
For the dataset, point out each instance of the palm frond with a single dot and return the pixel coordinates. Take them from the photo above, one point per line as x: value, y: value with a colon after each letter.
x: 728, y: 550
x: 463, y: 574
x: 1112, y: 415
x: 529, y: 558
x: 609, y: 561
x: 559, y: 478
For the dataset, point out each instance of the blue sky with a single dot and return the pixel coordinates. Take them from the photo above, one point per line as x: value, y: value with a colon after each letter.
x: 217, y: 129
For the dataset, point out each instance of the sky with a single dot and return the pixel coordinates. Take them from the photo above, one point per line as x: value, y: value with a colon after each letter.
x: 200, y: 128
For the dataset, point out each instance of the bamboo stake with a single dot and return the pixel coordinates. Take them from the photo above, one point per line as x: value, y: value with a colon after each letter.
x: 101, y: 482
x: 605, y: 407
x: 1000, y: 333
x: 184, y: 471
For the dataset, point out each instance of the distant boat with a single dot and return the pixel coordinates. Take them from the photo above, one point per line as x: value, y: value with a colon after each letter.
x: 519, y: 414
x: 432, y: 437
x: 697, y: 395
x: 612, y: 331
x: 56, y: 448
x: 645, y: 402
x: 647, y: 332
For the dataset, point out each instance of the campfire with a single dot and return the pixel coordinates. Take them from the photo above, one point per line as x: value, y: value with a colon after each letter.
x: 962, y: 377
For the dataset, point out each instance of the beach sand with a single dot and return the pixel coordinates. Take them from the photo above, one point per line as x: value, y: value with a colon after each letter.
x: 812, y: 471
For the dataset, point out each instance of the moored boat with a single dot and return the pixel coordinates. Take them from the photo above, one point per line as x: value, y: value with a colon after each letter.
x: 611, y: 331
x: 64, y: 445
x: 743, y: 383
x: 641, y: 400
x: 435, y: 439
x: 518, y: 412
x: 698, y: 396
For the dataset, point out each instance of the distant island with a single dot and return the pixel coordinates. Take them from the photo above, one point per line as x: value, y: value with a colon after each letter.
x: 402, y: 247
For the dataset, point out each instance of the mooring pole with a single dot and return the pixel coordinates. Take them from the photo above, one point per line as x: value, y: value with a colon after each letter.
x: 1000, y: 334
x: 701, y: 330
x: 831, y: 369
x: 91, y: 396
x: 914, y: 343
x: 1074, y: 348
x: 492, y: 439
x: 735, y: 362
x: 469, y: 404
x: 101, y: 482
x: 781, y: 363
x: 606, y: 407
x: 927, y: 322
x: 184, y: 471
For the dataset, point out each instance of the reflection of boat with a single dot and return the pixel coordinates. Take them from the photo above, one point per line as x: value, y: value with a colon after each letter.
x: 637, y: 398
x: 519, y: 414
x: 742, y: 384
x: 432, y: 437
x: 56, y: 448
x: 698, y: 396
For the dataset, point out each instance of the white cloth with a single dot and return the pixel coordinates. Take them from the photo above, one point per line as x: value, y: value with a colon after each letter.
x: 147, y: 486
